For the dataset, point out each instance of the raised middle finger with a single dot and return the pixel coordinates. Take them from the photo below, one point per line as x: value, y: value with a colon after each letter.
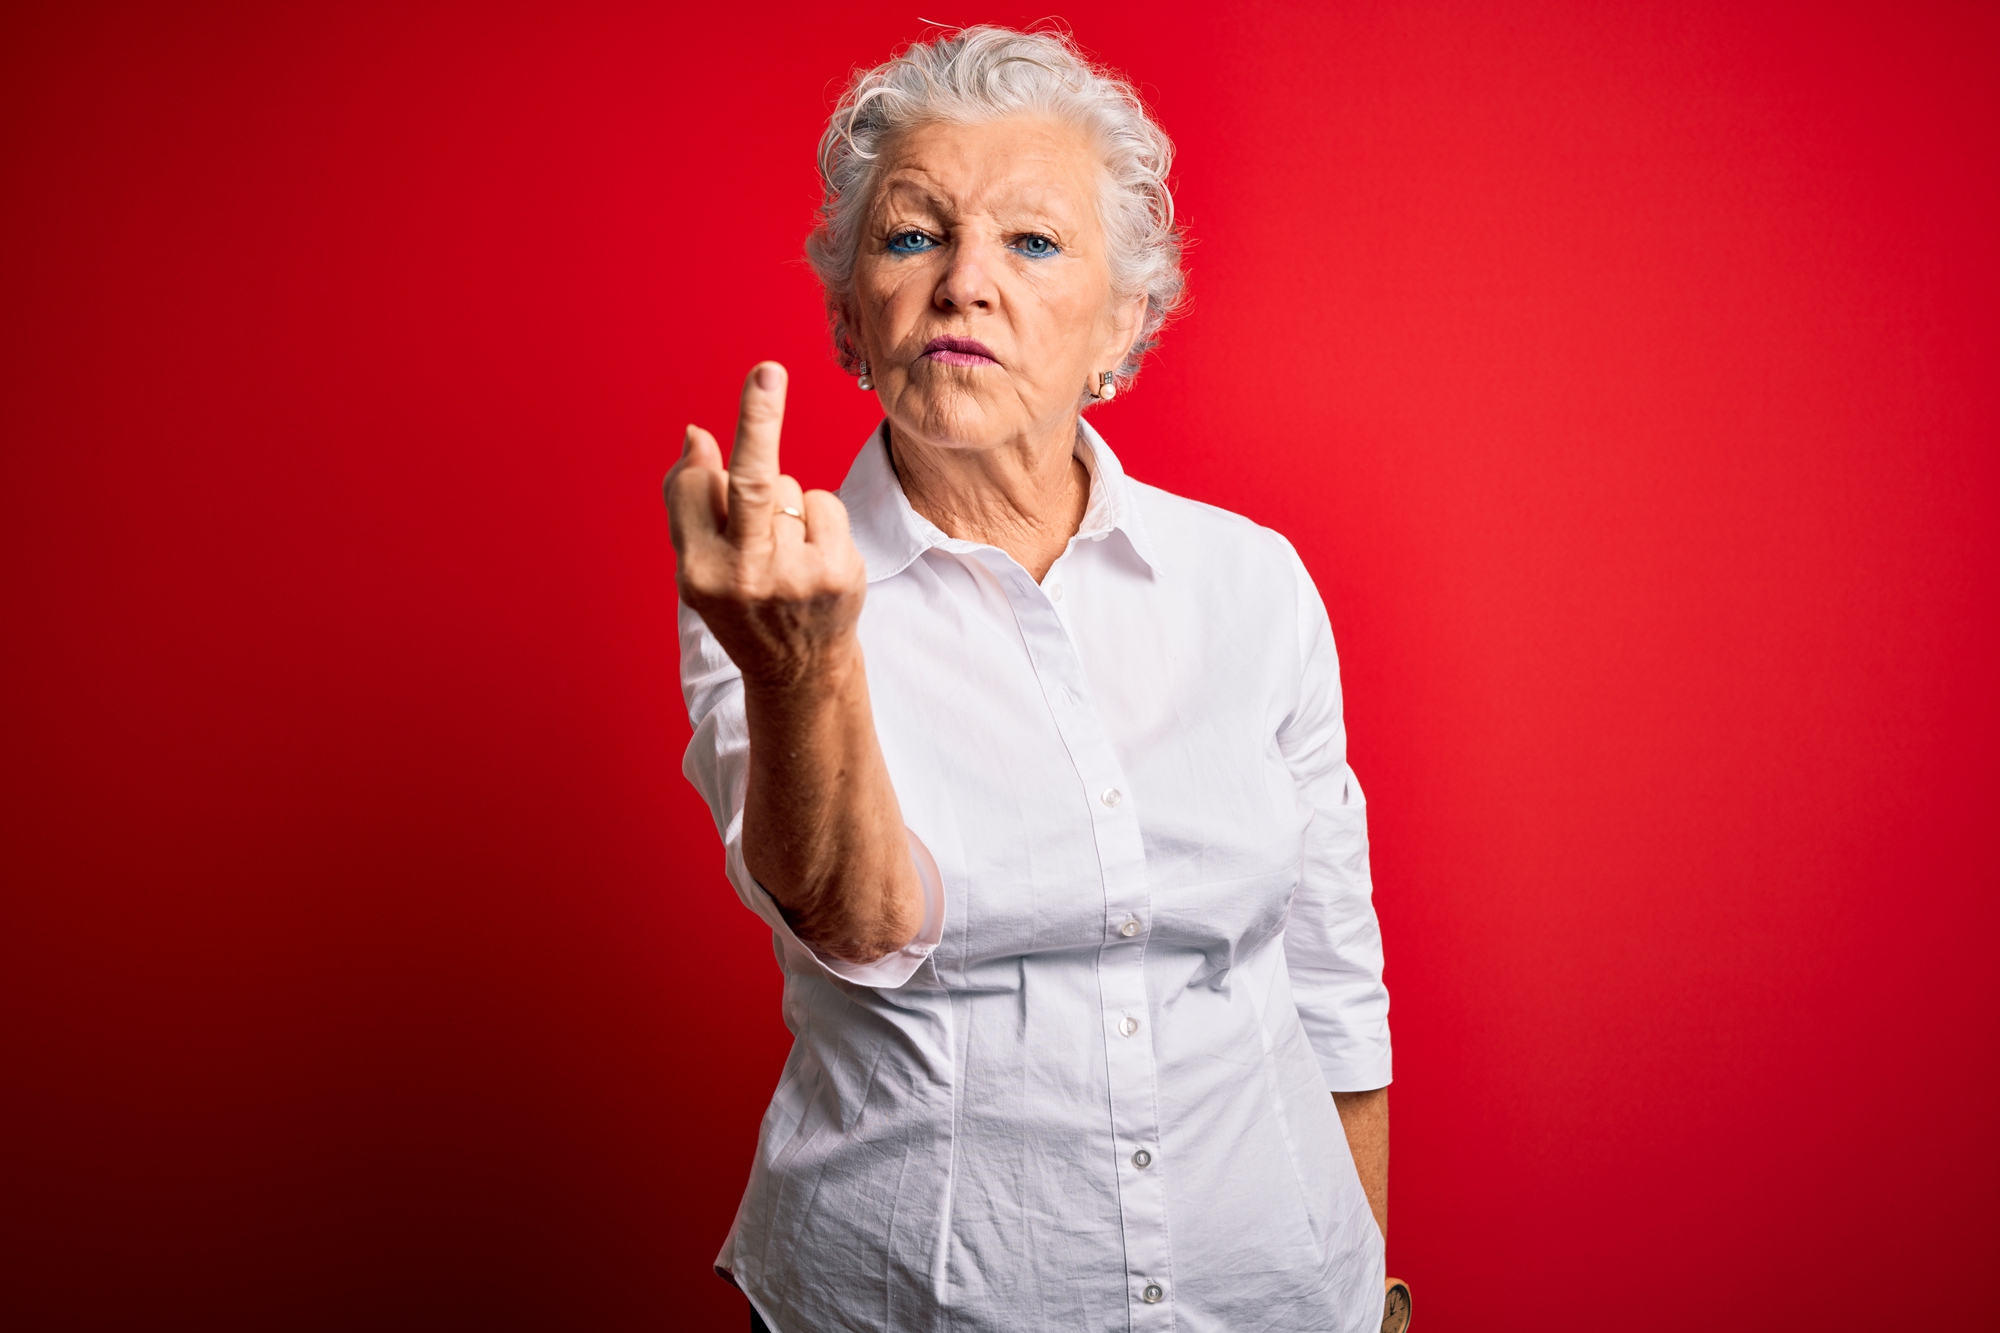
x: 753, y: 459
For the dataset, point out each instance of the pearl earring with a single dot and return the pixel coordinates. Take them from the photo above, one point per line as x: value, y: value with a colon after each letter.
x: 1107, y: 387
x: 864, y: 381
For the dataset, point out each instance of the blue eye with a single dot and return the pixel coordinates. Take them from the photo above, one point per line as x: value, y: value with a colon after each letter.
x: 910, y: 243
x: 1037, y: 247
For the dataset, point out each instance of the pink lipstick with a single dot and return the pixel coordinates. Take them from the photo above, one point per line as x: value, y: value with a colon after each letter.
x: 959, y: 352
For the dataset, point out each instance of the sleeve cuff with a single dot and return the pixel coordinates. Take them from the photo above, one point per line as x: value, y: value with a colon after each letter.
x: 887, y: 972
x: 1360, y: 1072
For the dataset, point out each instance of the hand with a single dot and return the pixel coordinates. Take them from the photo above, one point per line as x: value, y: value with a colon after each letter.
x: 781, y: 594
x: 822, y: 832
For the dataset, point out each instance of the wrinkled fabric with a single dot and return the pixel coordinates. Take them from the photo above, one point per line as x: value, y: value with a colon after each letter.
x: 1149, y: 930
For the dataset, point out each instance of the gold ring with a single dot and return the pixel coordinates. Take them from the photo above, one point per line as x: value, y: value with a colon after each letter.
x: 790, y: 512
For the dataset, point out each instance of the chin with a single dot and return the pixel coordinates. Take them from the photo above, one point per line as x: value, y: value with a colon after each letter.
x: 949, y: 415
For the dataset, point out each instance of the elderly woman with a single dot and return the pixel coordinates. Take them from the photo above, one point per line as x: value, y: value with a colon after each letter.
x: 1037, y: 773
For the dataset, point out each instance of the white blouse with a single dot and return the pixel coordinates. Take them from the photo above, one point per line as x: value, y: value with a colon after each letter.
x: 1093, y: 1093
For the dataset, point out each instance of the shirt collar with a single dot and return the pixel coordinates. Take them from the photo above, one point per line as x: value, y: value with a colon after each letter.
x: 891, y: 535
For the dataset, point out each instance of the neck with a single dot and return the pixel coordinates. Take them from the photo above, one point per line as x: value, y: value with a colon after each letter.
x: 1025, y: 497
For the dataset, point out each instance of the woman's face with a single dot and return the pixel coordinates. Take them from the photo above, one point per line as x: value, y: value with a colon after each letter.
x: 983, y: 298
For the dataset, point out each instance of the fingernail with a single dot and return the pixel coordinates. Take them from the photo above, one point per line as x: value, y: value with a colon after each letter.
x: 770, y: 377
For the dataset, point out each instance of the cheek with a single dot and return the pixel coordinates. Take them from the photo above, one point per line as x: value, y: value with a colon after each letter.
x: 1067, y: 313
x: 887, y: 295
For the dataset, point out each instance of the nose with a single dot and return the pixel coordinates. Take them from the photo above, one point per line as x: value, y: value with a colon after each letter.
x: 965, y: 285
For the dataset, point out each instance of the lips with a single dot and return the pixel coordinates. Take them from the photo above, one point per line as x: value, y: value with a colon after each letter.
x: 959, y: 352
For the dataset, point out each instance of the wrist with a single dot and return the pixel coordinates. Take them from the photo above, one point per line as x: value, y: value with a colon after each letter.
x: 831, y: 671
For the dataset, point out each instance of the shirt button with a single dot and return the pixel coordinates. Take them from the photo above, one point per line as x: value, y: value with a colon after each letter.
x: 1112, y: 796
x: 1129, y: 929
x: 1153, y: 1294
x: 1127, y: 1026
x: 1142, y: 1159
x: 1055, y: 592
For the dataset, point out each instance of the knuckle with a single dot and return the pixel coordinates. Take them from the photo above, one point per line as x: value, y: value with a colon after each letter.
x: 748, y: 584
x: 699, y: 575
x: 790, y: 588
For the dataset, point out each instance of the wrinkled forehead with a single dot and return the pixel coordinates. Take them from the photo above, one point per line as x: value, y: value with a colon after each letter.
x: 1008, y: 168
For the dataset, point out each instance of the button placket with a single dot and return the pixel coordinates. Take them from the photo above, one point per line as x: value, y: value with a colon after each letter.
x: 1131, y: 1069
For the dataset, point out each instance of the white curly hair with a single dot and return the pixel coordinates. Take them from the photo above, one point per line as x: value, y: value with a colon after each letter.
x: 984, y: 73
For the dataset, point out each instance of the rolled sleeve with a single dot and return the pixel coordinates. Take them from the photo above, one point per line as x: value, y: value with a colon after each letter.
x: 717, y: 763
x: 1333, y: 942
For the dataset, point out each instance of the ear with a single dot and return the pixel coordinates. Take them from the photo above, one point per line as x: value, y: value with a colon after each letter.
x: 1126, y: 321
x: 850, y: 329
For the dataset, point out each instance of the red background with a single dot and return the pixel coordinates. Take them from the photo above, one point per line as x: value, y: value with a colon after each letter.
x: 1625, y: 373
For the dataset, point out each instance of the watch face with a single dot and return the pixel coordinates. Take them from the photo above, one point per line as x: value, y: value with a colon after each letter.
x: 1396, y: 1309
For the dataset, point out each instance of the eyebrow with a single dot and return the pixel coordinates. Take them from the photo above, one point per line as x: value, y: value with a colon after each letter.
x: 908, y: 186
x: 1030, y: 199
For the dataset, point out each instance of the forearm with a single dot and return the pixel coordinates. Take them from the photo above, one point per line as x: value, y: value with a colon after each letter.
x: 822, y: 831
x: 1365, y: 1118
